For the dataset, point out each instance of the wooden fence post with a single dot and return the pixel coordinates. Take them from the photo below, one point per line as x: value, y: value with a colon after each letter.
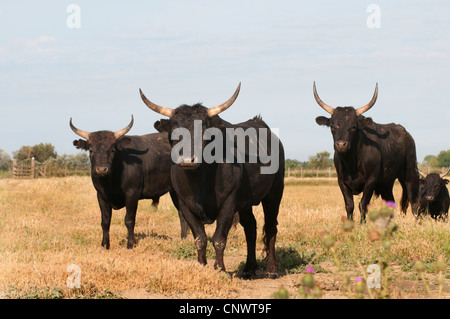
x: 15, y: 168
x: 33, y: 164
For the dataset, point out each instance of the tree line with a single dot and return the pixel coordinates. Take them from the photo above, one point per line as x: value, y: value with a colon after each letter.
x: 322, y: 160
x: 440, y: 160
x: 45, y: 153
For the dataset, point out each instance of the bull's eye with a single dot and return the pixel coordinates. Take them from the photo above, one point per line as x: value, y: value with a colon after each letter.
x: 334, y: 127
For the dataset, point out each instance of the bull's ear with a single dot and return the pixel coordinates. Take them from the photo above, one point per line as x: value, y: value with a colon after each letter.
x: 81, y: 144
x: 322, y: 120
x: 162, y: 125
x: 445, y: 181
x: 364, y: 121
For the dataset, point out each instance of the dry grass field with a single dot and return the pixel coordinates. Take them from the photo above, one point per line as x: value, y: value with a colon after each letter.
x: 48, y: 224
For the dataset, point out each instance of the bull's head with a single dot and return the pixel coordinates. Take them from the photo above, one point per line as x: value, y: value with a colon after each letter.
x: 101, y: 146
x: 344, y: 121
x: 431, y: 184
x: 188, y: 117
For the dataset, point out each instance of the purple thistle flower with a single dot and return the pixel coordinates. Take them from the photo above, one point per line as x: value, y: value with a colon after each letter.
x: 310, y: 270
x: 391, y: 204
x: 358, y: 279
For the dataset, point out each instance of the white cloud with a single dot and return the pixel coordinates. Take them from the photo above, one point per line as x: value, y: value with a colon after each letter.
x: 42, y: 44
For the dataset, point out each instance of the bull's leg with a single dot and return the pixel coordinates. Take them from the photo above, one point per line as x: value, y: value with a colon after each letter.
x: 411, y: 181
x: 422, y: 208
x: 155, y: 203
x: 404, y: 200
x: 183, y: 223
x: 200, y: 241
x: 106, y: 211
x: 271, y: 207
x: 130, y: 220
x: 412, y: 189
x: 365, y: 200
x: 387, y: 194
x: 198, y: 231
x: 348, y: 199
x: 224, y: 223
x: 444, y: 210
x: 248, y: 221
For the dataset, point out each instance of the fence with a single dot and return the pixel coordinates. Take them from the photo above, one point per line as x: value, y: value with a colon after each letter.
x: 24, y: 169
x: 331, y: 172
x: 303, y: 172
x: 33, y: 169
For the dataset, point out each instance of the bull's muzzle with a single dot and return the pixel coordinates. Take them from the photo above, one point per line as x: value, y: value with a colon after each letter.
x: 190, y: 162
x: 101, y: 170
x: 342, y: 146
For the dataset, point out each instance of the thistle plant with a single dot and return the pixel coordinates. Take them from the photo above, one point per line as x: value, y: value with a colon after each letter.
x: 309, y: 289
x: 383, y: 231
x: 360, y: 287
x: 440, y: 266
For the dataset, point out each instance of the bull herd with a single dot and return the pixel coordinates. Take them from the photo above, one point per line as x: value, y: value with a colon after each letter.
x: 368, y: 158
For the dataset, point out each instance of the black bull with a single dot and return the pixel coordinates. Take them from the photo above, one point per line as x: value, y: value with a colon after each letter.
x: 434, y: 196
x: 369, y: 157
x: 216, y: 191
x: 125, y: 169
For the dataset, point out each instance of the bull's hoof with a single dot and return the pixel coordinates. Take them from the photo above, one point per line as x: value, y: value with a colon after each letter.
x: 272, y: 275
x: 247, y: 275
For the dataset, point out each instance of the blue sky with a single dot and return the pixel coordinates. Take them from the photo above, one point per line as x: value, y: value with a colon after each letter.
x: 198, y: 51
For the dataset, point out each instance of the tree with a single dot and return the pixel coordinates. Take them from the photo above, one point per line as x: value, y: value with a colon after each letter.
x: 291, y: 163
x: 79, y: 161
x: 430, y: 161
x: 5, y: 161
x: 320, y: 160
x: 443, y: 159
x: 41, y: 152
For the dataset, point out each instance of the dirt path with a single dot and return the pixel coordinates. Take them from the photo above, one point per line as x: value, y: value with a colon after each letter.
x: 332, y: 286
